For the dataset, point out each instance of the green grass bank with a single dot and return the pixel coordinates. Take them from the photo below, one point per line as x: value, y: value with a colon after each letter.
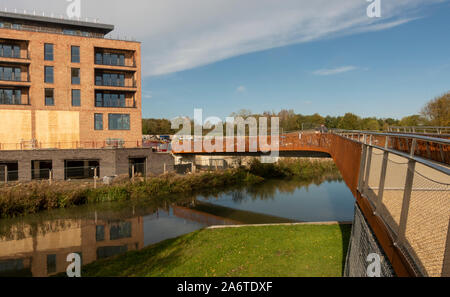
x: 266, y: 251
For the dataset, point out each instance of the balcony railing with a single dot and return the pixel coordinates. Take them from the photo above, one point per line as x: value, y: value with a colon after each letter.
x: 119, y: 84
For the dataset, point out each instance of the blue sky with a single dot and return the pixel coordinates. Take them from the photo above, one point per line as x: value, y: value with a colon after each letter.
x: 324, y: 56
x: 387, y: 73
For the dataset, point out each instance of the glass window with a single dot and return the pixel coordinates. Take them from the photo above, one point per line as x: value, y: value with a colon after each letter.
x: 100, y: 229
x: 48, y: 52
x: 120, y: 231
x: 99, y: 100
x: 121, y: 80
x: 49, y: 74
x: 18, y: 97
x: 1, y: 73
x: 114, y: 59
x: 76, y: 98
x: 122, y: 100
x: 51, y: 264
x: 16, y: 51
x: 76, y: 76
x: 69, y: 32
x: 98, y: 125
x: 7, y: 51
x: 98, y: 80
x: 75, y: 54
x: 106, y: 59
x: 7, y: 73
x: 115, y: 100
x: 98, y: 58
x: 49, y: 97
x: 122, y: 60
x: 106, y: 79
x: 106, y: 100
x: 119, y: 122
x: 114, y: 80
x: 8, y: 96
x: 17, y: 74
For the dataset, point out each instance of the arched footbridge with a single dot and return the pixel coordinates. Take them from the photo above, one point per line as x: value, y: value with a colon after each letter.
x: 401, y: 183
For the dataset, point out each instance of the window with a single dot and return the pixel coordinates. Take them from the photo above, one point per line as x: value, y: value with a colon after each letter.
x: 49, y: 74
x: 99, y: 233
x: 110, y: 100
x: 17, y: 74
x: 49, y: 97
x: 17, y: 97
x: 51, y: 264
x: 75, y: 52
x: 98, y: 121
x: 120, y: 231
x: 48, y: 52
x: 98, y: 80
x: 7, y: 73
x: 16, y: 51
x: 113, y: 59
x: 10, y: 97
x: 119, y: 121
x: 7, y: 51
x: 107, y: 59
x: 76, y: 98
x: 76, y: 76
x: 98, y: 58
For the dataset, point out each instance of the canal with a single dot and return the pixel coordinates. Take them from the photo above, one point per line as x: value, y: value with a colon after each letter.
x: 38, y: 245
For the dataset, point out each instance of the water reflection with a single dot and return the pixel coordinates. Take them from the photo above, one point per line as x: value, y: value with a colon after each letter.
x: 38, y: 245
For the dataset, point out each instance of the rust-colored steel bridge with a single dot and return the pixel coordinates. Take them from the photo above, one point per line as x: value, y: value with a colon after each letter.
x: 401, y: 183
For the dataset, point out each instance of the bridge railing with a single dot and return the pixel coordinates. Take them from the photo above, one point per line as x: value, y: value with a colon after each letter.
x: 431, y: 148
x: 420, y: 129
x: 410, y: 194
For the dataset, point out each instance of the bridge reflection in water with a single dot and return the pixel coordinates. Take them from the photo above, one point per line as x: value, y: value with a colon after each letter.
x: 401, y: 183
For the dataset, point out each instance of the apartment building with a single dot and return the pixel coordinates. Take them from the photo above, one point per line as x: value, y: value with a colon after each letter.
x: 63, y: 85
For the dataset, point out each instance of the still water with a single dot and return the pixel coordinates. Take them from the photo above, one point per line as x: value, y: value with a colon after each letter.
x: 38, y: 245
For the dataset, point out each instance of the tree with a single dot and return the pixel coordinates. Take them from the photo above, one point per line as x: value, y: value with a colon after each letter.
x: 413, y: 121
x: 349, y: 122
x: 437, y: 111
x: 370, y: 124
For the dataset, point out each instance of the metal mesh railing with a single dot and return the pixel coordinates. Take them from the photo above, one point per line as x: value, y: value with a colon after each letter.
x: 412, y: 197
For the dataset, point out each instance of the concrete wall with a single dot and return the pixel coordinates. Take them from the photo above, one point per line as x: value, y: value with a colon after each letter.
x: 363, y: 243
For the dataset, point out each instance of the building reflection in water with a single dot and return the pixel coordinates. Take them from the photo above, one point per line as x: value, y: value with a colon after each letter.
x: 45, y: 253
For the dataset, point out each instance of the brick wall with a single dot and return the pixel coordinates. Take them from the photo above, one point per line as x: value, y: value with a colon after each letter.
x: 112, y: 161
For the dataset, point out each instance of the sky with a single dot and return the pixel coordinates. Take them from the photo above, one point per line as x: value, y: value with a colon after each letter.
x: 321, y: 56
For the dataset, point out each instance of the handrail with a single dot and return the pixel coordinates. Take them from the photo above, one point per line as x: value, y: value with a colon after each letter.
x: 409, y: 136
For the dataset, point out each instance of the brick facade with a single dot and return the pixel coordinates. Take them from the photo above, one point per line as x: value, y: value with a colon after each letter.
x: 112, y: 161
x: 64, y: 125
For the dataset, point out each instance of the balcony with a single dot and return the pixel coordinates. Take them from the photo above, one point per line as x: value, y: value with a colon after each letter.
x: 115, y: 60
x: 102, y: 84
x: 14, y: 53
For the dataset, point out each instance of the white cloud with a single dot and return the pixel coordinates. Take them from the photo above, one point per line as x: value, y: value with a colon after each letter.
x: 178, y: 35
x: 241, y: 89
x: 334, y: 71
x: 147, y: 95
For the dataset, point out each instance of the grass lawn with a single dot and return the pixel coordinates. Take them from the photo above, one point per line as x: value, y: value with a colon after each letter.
x: 303, y: 250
